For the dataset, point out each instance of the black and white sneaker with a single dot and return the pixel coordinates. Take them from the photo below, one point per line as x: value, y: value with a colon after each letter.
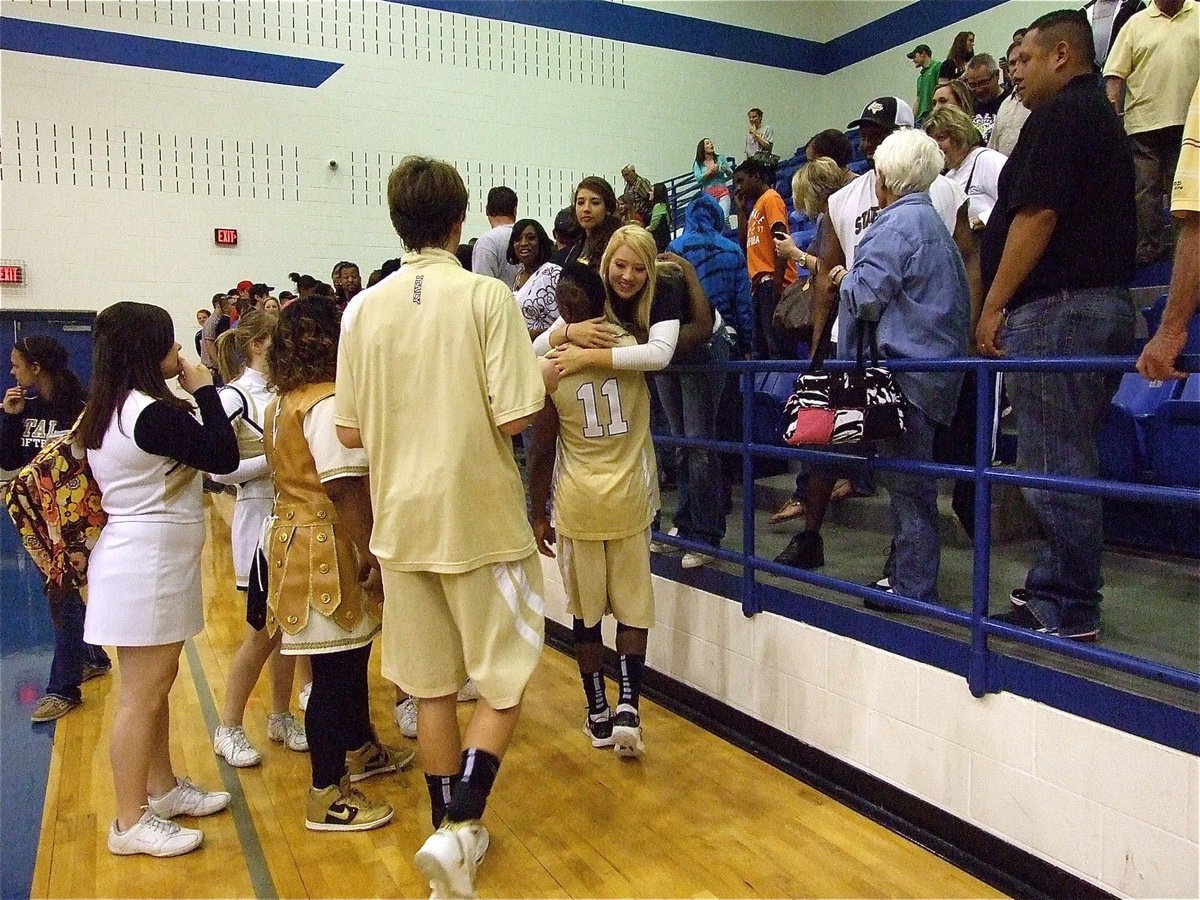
x: 627, y: 732
x: 599, y: 730
x: 1019, y: 596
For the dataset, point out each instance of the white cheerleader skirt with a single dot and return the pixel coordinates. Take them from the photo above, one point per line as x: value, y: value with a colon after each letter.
x: 248, y: 516
x: 144, y: 584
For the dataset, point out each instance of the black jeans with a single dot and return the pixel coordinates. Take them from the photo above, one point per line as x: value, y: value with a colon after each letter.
x: 338, y: 718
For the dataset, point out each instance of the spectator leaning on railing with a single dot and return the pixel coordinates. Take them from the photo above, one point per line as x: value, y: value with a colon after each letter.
x: 1058, y: 253
x: 1159, y: 355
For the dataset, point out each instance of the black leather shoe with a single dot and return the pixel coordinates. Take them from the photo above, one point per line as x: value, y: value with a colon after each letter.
x: 806, y: 550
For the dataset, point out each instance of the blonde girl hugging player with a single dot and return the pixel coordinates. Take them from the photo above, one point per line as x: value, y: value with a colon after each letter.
x: 594, y: 436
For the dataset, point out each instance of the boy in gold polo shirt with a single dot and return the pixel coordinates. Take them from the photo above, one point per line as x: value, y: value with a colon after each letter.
x: 435, y: 374
x: 605, y: 497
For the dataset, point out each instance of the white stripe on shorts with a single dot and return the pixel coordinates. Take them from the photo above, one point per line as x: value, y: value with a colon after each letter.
x: 517, y: 592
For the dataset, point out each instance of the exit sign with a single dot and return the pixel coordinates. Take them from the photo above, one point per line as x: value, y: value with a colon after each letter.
x: 12, y: 273
x: 225, y: 237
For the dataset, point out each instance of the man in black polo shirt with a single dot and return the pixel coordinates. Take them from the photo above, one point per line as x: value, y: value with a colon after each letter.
x: 1057, y: 255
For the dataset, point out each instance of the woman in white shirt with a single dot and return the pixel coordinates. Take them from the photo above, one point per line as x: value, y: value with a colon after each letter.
x: 146, y: 450
x: 969, y: 164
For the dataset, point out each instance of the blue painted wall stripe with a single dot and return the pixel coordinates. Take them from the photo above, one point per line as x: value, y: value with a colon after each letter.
x: 50, y: 39
x: 670, y: 31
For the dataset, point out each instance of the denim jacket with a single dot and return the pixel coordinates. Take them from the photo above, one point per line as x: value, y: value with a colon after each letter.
x: 909, y: 277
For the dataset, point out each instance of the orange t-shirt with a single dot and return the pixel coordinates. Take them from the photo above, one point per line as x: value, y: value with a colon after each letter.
x: 760, y: 243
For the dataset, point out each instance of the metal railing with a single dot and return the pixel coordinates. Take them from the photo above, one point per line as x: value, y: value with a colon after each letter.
x: 981, y: 658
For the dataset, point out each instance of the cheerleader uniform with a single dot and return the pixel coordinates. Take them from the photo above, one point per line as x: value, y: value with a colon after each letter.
x: 314, y: 596
x: 245, y: 400
x: 144, y: 573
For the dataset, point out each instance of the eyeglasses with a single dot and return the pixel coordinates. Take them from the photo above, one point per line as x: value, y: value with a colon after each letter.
x: 980, y: 82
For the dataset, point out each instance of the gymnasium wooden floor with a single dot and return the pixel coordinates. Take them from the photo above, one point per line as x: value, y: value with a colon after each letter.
x: 695, y: 818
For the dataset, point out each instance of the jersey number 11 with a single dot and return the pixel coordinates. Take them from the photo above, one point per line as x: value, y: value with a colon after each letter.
x: 591, y: 420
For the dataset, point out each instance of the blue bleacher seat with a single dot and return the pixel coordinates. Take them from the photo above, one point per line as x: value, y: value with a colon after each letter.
x: 1124, y: 442
x: 859, y: 166
x: 1175, y: 437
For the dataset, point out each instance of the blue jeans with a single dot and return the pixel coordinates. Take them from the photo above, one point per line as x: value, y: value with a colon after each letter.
x: 70, y: 652
x: 916, y: 547
x: 1058, y: 416
x: 690, y: 401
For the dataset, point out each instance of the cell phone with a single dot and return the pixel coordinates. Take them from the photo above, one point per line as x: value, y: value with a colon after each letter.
x: 779, y: 230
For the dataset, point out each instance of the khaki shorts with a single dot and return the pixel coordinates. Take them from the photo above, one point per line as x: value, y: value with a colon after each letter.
x: 488, y: 624
x: 608, y: 577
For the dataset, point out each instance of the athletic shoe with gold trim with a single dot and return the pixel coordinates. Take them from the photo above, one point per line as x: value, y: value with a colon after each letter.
x: 341, y: 807
x: 374, y: 758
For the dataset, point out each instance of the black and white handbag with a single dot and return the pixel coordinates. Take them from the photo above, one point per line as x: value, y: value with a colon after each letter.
x: 864, y: 404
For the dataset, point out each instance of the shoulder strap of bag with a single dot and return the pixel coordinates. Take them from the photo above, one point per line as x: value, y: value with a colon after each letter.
x: 245, y: 401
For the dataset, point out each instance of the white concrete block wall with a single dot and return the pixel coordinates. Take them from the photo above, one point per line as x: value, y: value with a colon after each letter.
x: 1114, y: 809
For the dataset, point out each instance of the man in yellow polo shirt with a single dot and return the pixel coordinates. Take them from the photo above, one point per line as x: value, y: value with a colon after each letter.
x: 1157, y: 361
x: 1149, y: 76
x: 435, y: 375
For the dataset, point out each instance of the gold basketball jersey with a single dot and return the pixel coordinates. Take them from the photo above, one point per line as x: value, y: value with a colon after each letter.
x: 605, y: 475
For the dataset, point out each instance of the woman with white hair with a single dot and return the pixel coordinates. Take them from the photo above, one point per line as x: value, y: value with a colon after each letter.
x: 909, y: 282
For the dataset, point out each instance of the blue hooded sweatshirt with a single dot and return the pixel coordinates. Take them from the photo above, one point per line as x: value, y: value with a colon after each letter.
x: 720, y: 265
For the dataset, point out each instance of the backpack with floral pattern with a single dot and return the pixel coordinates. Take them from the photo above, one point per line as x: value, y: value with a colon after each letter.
x: 54, y: 501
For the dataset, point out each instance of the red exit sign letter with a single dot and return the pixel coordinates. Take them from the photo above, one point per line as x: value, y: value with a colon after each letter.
x: 10, y: 274
x: 225, y: 237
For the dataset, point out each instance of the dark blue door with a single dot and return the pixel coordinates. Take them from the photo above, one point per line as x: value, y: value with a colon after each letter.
x: 72, y: 329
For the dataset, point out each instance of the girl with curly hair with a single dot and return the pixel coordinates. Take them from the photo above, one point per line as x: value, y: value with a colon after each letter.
x: 324, y: 594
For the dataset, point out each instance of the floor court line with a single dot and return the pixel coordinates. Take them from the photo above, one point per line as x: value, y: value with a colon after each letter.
x: 256, y: 862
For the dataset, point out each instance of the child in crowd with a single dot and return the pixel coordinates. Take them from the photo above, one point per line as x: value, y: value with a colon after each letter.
x: 242, y: 358
x: 324, y: 591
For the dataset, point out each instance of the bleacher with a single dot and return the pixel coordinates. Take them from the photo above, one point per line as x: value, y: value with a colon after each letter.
x: 1151, y: 435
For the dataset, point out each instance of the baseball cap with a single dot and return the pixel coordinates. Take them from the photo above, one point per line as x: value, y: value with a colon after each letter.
x: 260, y: 288
x: 920, y: 48
x: 245, y: 285
x: 886, y: 112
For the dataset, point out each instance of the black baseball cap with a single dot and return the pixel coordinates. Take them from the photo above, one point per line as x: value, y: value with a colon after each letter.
x: 886, y: 112
x: 920, y: 48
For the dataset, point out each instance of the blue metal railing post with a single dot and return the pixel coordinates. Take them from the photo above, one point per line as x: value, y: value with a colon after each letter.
x: 985, y: 405
x: 749, y: 582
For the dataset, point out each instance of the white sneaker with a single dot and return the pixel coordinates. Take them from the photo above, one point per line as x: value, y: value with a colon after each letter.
x: 694, y: 560
x: 662, y: 546
x: 283, y: 728
x: 186, y: 799
x: 468, y: 692
x: 450, y: 857
x: 153, y: 836
x: 406, y: 716
x: 302, y: 700
x: 230, y: 742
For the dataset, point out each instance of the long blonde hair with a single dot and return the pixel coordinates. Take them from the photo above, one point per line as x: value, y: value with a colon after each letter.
x: 641, y: 242
x: 233, y: 346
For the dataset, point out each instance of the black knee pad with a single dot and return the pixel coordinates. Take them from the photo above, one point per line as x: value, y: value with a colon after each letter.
x: 622, y: 628
x: 584, y: 634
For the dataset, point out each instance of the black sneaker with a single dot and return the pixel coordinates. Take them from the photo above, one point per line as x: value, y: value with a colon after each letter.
x: 884, y: 584
x: 600, y: 731
x: 1022, y: 616
x: 1019, y: 596
x: 806, y: 550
